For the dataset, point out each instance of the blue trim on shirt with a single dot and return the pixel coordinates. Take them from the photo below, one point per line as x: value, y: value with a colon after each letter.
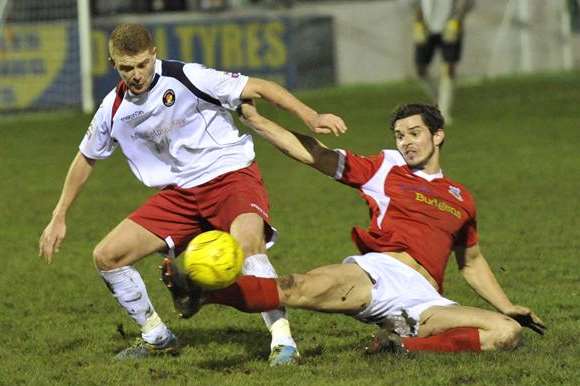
x: 174, y: 69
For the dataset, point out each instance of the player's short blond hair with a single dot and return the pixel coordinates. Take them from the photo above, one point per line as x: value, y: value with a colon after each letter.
x: 130, y: 39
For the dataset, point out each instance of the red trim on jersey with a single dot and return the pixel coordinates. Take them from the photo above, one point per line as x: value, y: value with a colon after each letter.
x: 120, y: 94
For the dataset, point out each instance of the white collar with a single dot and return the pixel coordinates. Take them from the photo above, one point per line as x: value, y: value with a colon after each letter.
x: 426, y: 176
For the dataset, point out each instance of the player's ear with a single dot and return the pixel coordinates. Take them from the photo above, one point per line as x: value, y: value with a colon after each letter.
x: 111, y: 61
x: 438, y: 137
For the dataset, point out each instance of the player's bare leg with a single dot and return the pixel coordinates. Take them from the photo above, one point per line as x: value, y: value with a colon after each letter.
x: 248, y: 230
x: 114, y: 255
x: 496, y: 331
x: 455, y: 328
x: 336, y: 288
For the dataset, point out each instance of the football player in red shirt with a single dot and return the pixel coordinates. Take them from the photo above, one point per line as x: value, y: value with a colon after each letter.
x: 418, y: 217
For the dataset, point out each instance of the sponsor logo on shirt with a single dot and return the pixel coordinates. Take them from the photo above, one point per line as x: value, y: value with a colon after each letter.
x: 437, y: 203
x: 415, y: 187
x: 169, y: 98
x: 161, y: 131
x: 455, y: 192
x: 132, y: 116
x: 233, y: 74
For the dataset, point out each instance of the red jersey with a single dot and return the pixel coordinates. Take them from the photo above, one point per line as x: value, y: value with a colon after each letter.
x: 411, y: 211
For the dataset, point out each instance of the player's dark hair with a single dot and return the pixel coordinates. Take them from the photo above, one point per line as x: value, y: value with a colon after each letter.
x: 429, y: 113
x: 130, y: 39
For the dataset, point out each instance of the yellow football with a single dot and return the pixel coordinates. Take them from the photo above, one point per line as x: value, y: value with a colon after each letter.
x: 213, y: 260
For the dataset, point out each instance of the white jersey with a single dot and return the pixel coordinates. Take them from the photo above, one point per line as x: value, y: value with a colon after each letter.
x: 179, y: 132
x: 436, y: 13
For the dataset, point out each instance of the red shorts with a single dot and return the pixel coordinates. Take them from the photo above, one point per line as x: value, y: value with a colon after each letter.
x: 178, y: 215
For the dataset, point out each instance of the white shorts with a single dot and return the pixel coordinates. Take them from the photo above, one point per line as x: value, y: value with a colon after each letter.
x: 398, y: 291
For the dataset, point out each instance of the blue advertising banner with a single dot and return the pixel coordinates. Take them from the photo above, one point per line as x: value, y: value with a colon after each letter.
x: 39, y: 64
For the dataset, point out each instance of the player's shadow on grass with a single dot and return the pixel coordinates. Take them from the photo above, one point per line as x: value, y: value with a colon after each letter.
x: 256, y: 343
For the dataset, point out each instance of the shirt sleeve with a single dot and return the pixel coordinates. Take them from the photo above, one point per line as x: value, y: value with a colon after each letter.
x: 468, y: 236
x: 98, y: 143
x: 355, y: 170
x: 224, y: 86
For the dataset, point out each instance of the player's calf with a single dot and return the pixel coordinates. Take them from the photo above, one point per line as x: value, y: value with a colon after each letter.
x: 295, y: 291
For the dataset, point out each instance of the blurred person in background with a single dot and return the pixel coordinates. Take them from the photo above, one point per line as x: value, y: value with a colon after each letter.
x: 439, y: 24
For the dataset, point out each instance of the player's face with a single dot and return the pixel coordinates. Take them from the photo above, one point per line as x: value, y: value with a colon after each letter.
x: 416, y: 143
x: 136, y: 70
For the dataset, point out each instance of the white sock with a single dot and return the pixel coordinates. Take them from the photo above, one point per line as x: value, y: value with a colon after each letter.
x: 429, y: 86
x: 154, y: 331
x: 129, y: 289
x: 276, y: 320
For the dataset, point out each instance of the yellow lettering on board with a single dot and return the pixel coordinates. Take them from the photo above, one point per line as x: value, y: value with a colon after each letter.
x: 208, y: 36
x: 253, y: 44
x: 161, y: 42
x: 185, y: 35
x: 276, y: 55
x: 232, y: 55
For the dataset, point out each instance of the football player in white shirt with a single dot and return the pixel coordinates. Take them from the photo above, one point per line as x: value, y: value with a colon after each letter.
x: 172, y: 123
x: 439, y: 24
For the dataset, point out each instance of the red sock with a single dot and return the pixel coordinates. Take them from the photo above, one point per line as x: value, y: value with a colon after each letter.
x: 248, y: 294
x: 456, y: 339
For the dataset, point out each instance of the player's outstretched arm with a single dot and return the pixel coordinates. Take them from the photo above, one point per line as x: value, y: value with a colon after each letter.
x: 279, y: 96
x: 52, y: 236
x: 301, y: 147
x: 478, y: 274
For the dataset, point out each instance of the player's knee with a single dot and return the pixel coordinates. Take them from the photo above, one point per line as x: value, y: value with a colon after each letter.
x: 508, y: 335
x: 105, y: 258
x: 251, y: 244
x: 306, y: 291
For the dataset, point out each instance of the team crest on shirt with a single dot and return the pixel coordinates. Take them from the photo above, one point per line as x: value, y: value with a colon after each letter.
x: 455, y: 192
x: 169, y: 98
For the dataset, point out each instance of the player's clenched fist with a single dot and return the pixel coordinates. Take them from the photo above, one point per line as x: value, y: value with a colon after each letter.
x: 327, y: 124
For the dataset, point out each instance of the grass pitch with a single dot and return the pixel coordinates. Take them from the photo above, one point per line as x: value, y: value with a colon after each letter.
x: 514, y: 143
